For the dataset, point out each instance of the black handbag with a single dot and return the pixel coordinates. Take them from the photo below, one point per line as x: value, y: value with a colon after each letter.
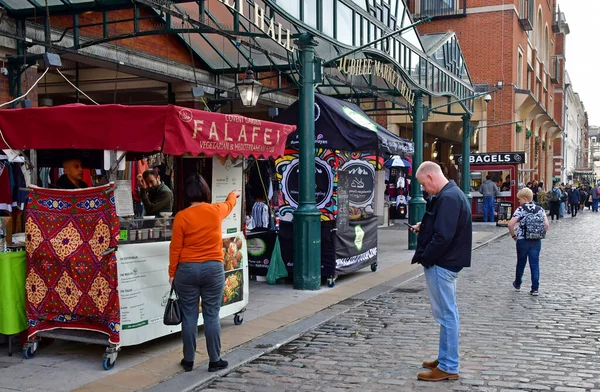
x: 172, y: 310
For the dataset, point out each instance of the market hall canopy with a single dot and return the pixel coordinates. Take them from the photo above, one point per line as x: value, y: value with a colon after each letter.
x: 261, y: 35
x: 171, y: 129
x: 341, y: 125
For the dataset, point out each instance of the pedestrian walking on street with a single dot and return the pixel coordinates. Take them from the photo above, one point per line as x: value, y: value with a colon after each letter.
x: 595, y: 197
x: 533, y: 224
x: 574, y: 201
x: 489, y: 190
x: 583, y: 196
x: 554, y: 197
x: 444, y: 249
x: 196, y: 265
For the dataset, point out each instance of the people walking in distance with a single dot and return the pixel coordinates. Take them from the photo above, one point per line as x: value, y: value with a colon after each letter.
x: 489, y: 190
x: 533, y: 224
x: 583, y: 195
x: 595, y: 197
x: 535, y: 188
x: 574, y: 201
x: 444, y: 249
x: 564, y: 199
x: 554, y: 197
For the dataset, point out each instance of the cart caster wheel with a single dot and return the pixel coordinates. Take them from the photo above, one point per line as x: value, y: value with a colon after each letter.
x: 331, y: 282
x: 107, y: 364
x: 29, y: 353
x: 374, y: 267
x: 238, y: 320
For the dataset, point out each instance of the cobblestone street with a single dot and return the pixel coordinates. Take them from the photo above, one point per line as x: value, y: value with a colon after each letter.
x: 510, y: 341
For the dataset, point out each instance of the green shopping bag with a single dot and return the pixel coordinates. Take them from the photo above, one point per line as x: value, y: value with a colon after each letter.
x: 277, y: 269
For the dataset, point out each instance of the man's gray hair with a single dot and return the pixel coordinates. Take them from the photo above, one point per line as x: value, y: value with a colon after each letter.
x: 429, y: 167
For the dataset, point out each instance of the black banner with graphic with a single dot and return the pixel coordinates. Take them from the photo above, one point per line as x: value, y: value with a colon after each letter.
x: 260, y: 248
x: 356, y: 247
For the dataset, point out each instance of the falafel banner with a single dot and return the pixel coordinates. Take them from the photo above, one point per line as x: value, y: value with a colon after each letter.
x: 196, y: 131
x: 144, y: 287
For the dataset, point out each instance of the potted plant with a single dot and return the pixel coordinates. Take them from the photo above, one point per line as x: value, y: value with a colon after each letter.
x: 529, y: 134
x: 519, y: 128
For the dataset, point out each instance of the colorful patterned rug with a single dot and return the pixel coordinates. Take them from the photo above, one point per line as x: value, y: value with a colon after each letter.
x: 70, y: 283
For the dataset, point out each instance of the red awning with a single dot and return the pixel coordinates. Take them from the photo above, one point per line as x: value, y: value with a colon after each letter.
x: 170, y: 129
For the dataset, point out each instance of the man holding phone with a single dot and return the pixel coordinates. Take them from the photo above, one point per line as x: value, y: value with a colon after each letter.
x: 444, y: 249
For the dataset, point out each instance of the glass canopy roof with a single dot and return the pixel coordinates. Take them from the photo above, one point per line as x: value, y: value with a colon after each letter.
x: 338, y: 27
x: 357, y: 23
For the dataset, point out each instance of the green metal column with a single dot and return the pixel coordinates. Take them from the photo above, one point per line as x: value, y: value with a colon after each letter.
x: 416, y: 205
x: 466, y: 155
x: 307, y: 218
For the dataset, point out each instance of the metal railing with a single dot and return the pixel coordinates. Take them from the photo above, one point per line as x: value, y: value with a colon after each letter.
x: 438, y: 8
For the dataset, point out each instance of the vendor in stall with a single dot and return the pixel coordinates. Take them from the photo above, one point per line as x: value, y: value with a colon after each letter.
x: 155, y: 195
x: 72, y: 179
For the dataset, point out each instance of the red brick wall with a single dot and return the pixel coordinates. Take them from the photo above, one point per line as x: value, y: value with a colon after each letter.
x: 490, y: 43
x: 27, y: 80
x: 163, y: 45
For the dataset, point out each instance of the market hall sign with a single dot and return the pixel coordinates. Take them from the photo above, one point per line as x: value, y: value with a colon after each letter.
x: 494, y: 158
x: 360, y: 67
x: 268, y: 26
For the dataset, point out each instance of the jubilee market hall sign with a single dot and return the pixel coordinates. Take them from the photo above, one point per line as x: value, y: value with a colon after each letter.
x: 360, y: 67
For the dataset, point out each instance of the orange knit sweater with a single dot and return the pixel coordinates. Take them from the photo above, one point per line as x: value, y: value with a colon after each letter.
x: 197, y: 233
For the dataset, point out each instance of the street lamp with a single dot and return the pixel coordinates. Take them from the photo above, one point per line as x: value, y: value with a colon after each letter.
x: 249, y: 89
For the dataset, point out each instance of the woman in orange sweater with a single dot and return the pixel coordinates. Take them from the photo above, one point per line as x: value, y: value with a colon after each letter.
x: 196, y: 265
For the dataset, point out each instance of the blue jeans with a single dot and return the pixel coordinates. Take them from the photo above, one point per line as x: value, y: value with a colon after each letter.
x: 441, y: 285
x: 562, y: 209
x: 194, y: 281
x: 528, y: 249
x: 595, y: 205
x: 488, y: 208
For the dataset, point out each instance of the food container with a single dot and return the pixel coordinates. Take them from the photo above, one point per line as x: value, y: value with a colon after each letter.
x: 167, y: 233
x: 143, y: 234
x: 133, y: 234
x: 154, y: 233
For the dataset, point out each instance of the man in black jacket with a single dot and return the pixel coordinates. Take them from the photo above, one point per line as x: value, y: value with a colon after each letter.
x: 444, y: 249
x: 72, y: 179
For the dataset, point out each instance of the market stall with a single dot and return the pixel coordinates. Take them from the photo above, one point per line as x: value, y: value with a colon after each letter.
x: 349, y: 150
x: 94, y: 273
x: 503, y: 169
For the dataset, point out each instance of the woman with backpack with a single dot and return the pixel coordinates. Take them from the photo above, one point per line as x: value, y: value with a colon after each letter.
x: 554, y: 196
x: 533, y: 224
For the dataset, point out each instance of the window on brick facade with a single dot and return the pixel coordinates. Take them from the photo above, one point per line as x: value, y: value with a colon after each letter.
x: 519, y: 70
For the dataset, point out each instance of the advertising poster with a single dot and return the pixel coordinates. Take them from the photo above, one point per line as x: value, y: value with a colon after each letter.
x: 144, y: 287
x: 228, y: 175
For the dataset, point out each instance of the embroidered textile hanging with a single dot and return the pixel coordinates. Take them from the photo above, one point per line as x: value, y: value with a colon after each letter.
x: 70, y: 283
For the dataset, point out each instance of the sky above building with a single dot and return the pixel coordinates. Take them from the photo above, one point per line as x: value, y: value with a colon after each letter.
x: 583, y: 58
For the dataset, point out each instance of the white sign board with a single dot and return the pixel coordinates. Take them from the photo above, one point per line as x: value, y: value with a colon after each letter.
x: 123, y: 198
x: 227, y: 176
x: 144, y: 287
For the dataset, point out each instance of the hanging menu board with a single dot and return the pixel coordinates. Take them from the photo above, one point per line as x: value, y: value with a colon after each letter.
x: 228, y: 175
x: 343, y: 202
x: 123, y: 198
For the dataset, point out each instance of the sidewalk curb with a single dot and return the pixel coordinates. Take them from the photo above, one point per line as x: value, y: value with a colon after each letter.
x: 239, y: 356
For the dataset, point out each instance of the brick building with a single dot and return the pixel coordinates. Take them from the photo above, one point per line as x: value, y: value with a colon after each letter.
x: 517, y: 49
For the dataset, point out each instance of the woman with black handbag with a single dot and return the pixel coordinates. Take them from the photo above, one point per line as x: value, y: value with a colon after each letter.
x: 196, y: 266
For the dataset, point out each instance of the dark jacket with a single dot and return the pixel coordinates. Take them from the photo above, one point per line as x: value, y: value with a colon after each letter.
x: 445, y: 235
x: 157, y: 201
x: 574, y: 196
x: 64, y: 183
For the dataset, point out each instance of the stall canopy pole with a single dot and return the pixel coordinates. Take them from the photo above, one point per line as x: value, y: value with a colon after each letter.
x: 466, y: 154
x: 307, y: 218
x: 416, y: 205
